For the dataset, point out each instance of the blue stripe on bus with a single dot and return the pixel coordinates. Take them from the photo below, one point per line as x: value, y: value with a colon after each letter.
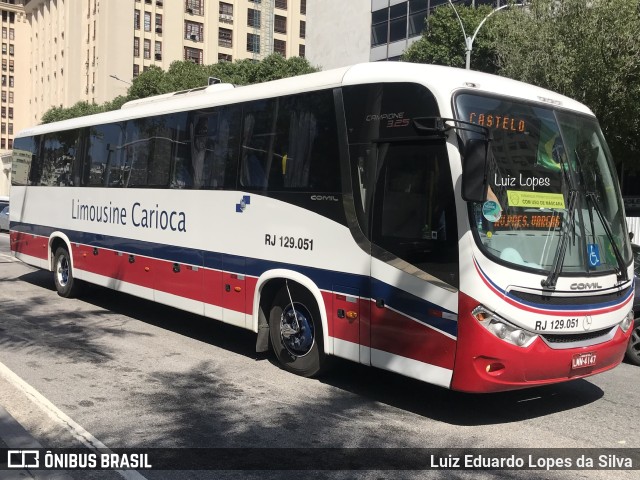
x: 558, y: 309
x: 394, y: 297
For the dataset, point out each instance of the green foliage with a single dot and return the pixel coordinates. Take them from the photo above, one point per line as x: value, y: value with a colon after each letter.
x: 147, y: 84
x: 589, y: 51
x: 80, y: 109
x: 185, y: 75
x: 443, y: 42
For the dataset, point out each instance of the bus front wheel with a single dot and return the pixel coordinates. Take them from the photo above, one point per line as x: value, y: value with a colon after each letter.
x: 66, y: 285
x: 295, y: 329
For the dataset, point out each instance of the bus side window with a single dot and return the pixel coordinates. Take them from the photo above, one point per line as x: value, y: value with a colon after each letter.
x: 163, y: 133
x: 223, y: 154
x: 258, y: 143
x: 142, y: 167
x: 104, y: 153
x: 58, y: 156
x: 290, y: 144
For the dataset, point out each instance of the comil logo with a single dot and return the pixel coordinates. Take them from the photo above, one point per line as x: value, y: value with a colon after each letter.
x: 23, y: 459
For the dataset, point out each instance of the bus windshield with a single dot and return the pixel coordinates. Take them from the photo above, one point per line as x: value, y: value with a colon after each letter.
x: 550, y: 177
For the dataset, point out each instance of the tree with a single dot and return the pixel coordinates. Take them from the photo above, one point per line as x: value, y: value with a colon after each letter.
x: 80, y: 109
x: 588, y: 51
x: 185, y: 75
x: 443, y: 42
x: 149, y: 83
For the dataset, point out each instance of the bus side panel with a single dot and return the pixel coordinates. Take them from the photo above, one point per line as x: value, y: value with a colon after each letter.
x: 29, y: 245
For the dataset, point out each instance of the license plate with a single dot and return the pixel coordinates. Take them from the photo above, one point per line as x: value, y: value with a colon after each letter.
x: 582, y: 360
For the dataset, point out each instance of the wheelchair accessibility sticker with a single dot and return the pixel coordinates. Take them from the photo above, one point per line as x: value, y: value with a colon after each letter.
x: 593, y: 254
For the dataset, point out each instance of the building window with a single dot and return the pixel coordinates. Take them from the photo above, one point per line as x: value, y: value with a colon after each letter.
x: 3, y: 112
x: 225, y: 37
x: 4, y: 48
x: 10, y: 97
x: 226, y: 12
x: 280, y: 46
x: 136, y: 19
x: 158, y: 23
x: 193, y: 31
x: 303, y: 29
x: 253, y: 43
x: 11, y: 65
x: 281, y: 4
x: 280, y: 24
x: 2, y: 143
x: 194, y: 7
x: 398, y: 22
x: 147, y: 21
x: 253, y: 18
x: 4, y: 64
x: 4, y: 96
x: 10, y: 143
x: 136, y: 47
x: 417, y: 17
x: 224, y: 57
x: 10, y: 112
x: 10, y: 132
x: 158, y: 51
x: 193, y: 55
x: 379, y: 27
x: 3, y: 128
x: 12, y: 34
x: 4, y: 80
x: 4, y: 33
x: 303, y: 7
x: 11, y: 84
x: 301, y: 51
x: 147, y: 48
x: 136, y: 70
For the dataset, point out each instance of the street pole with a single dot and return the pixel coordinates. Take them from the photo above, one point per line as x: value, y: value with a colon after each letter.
x: 468, y: 41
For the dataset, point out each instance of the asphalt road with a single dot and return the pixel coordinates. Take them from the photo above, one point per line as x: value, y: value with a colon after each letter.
x: 130, y: 373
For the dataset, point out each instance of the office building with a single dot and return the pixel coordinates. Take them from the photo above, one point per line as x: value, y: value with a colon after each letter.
x: 90, y: 50
x: 343, y: 33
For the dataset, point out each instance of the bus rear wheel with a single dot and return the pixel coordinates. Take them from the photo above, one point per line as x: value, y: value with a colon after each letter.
x: 66, y: 285
x: 295, y: 330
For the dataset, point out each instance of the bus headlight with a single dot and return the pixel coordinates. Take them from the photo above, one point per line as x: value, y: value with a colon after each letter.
x: 503, y: 329
x: 627, y: 322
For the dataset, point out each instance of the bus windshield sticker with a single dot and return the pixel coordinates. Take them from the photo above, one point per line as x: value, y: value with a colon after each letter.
x: 491, y: 210
x: 535, y: 199
x: 593, y: 254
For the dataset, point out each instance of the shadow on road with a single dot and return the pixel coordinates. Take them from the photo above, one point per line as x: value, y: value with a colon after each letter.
x: 185, y: 394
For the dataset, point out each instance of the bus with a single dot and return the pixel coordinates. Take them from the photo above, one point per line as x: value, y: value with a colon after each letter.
x: 455, y: 227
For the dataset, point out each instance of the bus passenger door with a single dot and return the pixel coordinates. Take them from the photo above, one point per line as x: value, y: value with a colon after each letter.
x: 414, y: 255
x: 234, y: 290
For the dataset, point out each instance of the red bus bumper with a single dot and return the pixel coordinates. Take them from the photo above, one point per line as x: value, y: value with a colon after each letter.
x: 484, y: 363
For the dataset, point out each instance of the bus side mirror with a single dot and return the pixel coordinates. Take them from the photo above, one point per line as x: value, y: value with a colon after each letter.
x: 474, y: 170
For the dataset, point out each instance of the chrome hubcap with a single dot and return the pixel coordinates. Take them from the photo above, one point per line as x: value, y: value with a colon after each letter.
x: 62, y: 271
x: 297, y: 330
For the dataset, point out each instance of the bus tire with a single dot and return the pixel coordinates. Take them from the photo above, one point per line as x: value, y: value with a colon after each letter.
x: 66, y: 285
x: 298, y: 348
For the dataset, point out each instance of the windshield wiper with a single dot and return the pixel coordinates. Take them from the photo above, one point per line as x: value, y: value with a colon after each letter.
x: 552, y: 278
x: 623, y: 275
x: 593, y: 199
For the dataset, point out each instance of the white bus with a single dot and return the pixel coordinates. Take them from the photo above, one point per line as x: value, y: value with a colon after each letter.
x: 455, y: 227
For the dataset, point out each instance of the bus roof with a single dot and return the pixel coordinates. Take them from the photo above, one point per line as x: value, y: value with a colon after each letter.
x: 443, y: 81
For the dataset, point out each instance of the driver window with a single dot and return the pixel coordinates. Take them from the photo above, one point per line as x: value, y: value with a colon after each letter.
x: 414, y: 208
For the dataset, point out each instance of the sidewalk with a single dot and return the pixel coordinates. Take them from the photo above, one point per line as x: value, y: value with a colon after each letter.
x: 14, y: 436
